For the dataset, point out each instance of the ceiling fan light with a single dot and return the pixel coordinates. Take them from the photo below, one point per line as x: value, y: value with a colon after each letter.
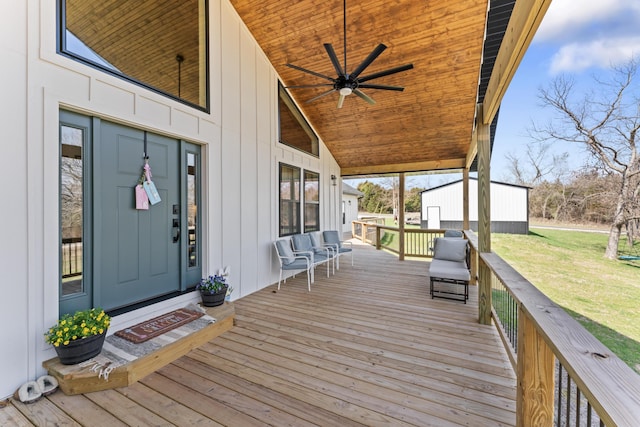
x: 345, y: 91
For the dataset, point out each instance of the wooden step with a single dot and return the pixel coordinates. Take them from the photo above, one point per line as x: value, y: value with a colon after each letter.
x: 76, y: 379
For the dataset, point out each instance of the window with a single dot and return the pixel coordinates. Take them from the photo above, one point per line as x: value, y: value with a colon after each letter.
x: 71, y: 209
x: 311, y: 201
x: 151, y: 43
x: 289, y: 200
x: 294, y: 129
x: 192, y: 209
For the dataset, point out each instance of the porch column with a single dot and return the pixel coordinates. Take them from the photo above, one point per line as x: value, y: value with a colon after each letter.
x: 465, y: 199
x: 401, y: 214
x: 535, y: 371
x: 484, y: 216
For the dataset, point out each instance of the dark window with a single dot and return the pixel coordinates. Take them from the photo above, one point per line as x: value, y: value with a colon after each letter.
x: 294, y: 129
x: 311, y: 201
x: 156, y: 44
x: 289, y: 200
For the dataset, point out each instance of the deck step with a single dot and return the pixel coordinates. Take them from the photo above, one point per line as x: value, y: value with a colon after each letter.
x: 78, y: 379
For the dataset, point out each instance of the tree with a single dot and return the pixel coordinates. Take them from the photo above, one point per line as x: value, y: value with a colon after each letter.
x: 607, y: 125
x: 375, y: 199
x: 413, y: 199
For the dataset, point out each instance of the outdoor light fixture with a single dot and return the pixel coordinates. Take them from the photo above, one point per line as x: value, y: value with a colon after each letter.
x: 333, y: 180
x: 180, y: 59
x: 346, y: 91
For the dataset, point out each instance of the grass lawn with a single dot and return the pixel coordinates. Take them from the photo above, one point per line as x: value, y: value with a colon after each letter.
x: 568, y: 267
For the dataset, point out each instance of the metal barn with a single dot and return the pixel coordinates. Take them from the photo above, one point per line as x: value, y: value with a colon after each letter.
x: 441, y: 207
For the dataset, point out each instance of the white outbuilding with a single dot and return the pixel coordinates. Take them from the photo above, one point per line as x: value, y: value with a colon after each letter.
x: 441, y: 207
x: 350, y: 196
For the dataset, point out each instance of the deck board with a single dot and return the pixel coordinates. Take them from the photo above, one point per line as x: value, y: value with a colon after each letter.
x: 367, y: 346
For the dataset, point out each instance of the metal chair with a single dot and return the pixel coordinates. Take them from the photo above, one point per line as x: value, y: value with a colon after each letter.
x: 290, y: 261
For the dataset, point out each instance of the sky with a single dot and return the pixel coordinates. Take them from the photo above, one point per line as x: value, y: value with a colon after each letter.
x: 577, y: 38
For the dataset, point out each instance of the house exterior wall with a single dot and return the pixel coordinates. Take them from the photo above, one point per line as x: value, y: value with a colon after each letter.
x: 509, y: 206
x: 240, y: 156
x: 350, y: 203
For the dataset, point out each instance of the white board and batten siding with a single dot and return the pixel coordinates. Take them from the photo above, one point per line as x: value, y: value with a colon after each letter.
x: 509, y: 207
x: 240, y: 153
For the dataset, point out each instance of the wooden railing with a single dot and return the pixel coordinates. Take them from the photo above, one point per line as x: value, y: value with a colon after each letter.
x: 565, y: 376
x: 71, y: 252
x: 365, y: 230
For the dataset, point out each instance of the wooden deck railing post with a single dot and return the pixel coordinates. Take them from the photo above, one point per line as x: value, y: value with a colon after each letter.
x: 377, y: 237
x: 484, y: 217
x: 401, y: 235
x: 535, y: 371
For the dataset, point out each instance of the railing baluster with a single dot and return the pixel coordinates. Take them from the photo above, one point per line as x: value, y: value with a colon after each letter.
x: 559, y: 395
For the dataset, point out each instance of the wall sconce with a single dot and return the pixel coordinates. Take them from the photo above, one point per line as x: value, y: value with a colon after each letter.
x: 333, y: 180
x: 349, y: 202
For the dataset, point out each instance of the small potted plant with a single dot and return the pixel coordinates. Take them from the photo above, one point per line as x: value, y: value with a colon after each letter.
x: 213, y: 290
x: 80, y: 336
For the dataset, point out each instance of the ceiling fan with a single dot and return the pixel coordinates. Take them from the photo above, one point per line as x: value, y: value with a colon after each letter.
x: 347, y: 83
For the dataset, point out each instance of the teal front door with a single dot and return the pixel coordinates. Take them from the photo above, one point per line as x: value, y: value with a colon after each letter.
x: 137, y: 254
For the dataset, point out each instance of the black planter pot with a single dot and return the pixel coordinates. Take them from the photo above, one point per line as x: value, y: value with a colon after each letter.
x: 80, y: 350
x: 213, y: 299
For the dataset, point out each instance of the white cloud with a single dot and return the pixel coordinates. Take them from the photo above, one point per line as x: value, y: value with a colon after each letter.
x: 602, y: 53
x: 590, y: 33
x: 567, y: 18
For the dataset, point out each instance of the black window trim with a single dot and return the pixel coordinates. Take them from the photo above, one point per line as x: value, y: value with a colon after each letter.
x: 300, y: 170
x: 61, y: 42
x: 312, y: 202
x: 301, y: 119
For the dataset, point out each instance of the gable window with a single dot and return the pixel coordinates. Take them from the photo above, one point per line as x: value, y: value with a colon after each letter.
x: 161, y: 45
x: 294, y: 129
x: 311, y: 201
x: 289, y: 200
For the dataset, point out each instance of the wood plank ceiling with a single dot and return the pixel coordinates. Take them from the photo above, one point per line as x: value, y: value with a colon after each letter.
x: 429, y: 125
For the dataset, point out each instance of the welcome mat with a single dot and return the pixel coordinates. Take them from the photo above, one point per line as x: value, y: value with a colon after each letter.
x: 158, y: 325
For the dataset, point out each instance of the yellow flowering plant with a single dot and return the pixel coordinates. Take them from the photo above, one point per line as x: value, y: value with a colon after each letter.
x: 80, y: 325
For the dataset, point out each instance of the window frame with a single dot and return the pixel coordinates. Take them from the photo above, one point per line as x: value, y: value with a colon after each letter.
x: 61, y: 49
x: 284, y: 97
x: 313, y: 204
x: 293, y: 205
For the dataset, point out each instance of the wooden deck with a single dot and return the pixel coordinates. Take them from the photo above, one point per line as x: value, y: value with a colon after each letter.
x: 366, y: 347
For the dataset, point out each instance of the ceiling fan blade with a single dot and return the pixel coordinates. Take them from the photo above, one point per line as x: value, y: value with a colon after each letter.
x: 302, y: 86
x: 313, y: 73
x: 341, y: 101
x: 364, y: 96
x: 397, y: 88
x: 334, y: 58
x: 386, y: 72
x: 368, y: 60
x: 319, y: 96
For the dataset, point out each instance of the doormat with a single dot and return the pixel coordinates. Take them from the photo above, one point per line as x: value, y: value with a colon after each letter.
x: 158, y: 325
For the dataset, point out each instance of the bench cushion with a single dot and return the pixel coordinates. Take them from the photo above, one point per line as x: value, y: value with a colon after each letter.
x: 454, y: 270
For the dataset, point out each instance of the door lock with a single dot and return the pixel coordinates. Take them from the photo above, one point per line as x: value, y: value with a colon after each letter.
x: 176, y: 230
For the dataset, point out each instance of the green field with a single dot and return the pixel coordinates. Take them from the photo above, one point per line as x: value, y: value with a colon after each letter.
x: 568, y: 267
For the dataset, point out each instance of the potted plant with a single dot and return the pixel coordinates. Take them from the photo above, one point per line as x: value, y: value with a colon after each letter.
x: 213, y: 290
x: 80, y: 336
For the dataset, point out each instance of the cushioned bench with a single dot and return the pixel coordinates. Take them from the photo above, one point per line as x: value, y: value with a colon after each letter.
x: 449, y: 269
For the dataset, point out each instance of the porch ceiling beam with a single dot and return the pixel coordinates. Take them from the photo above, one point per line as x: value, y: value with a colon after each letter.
x: 404, y: 167
x: 525, y: 20
x: 473, y: 146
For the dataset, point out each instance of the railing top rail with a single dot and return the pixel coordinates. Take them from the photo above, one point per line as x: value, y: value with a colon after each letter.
x: 610, y: 385
x: 472, y: 238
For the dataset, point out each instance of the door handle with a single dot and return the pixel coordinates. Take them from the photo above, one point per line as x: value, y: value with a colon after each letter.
x: 176, y: 230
